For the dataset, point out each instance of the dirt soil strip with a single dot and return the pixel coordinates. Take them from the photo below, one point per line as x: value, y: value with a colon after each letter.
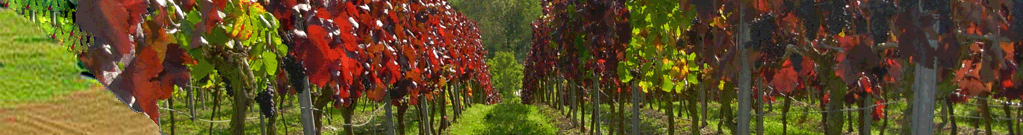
x: 93, y: 111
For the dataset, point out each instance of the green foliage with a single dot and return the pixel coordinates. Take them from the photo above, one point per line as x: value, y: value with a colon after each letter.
x: 505, y: 24
x: 245, y: 23
x: 507, y: 73
x: 55, y: 18
x: 657, y: 25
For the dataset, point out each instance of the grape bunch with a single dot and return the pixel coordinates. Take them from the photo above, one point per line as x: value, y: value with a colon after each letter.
x: 838, y: 16
x: 228, y: 88
x: 808, y: 12
x: 1017, y: 26
x: 940, y: 6
x: 908, y: 5
x: 797, y: 61
x: 944, y: 10
x: 788, y: 6
x: 862, y: 23
x: 775, y: 49
x: 880, y: 12
x: 1017, y: 20
x: 296, y: 73
x: 704, y: 7
x: 762, y: 29
x: 266, y: 102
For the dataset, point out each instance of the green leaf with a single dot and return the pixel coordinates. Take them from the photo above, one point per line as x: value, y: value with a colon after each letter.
x: 691, y: 78
x: 201, y: 68
x: 270, y: 59
x: 667, y: 85
x: 193, y: 17
x: 623, y: 73
x: 645, y: 85
x: 217, y: 36
x: 257, y: 66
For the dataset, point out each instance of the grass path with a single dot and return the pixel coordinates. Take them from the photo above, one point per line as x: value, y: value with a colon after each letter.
x: 93, y: 111
x: 504, y: 118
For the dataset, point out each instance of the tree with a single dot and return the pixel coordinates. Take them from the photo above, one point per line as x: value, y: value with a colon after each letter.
x: 507, y: 73
x: 505, y: 24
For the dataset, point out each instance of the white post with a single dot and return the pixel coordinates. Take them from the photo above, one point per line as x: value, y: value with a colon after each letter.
x: 866, y: 120
x: 596, y: 105
x: 924, y: 89
x: 424, y: 111
x: 635, y: 109
x: 306, y: 102
x: 742, y: 126
x: 390, y: 115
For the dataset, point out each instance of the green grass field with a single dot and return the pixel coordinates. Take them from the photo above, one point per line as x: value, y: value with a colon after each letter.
x: 32, y: 66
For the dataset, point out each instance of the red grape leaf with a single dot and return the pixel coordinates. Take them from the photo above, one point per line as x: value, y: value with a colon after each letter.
x: 786, y: 79
x: 878, y: 112
x: 318, y: 55
x: 111, y: 21
x: 141, y: 79
x: 866, y: 85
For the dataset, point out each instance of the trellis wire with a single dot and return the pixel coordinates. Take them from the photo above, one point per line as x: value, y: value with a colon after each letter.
x: 376, y: 111
x: 1012, y: 104
x: 973, y: 117
x: 201, y: 119
x: 374, y: 115
x: 839, y: 110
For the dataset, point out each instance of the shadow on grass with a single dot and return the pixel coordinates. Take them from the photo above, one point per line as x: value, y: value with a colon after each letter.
x: 513, y: 118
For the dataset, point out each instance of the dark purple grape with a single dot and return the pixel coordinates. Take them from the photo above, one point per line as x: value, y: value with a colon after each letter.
x: 296, y: 73
x: 811, y: 23
x: 882, y: 8
x: 705, y: 8
x: 761, y: 31
x: 944, y: 11
x: 838, y: 16
x: 941, y: 6
x: 878, y: 71
x: 228, y: 88
x: 797, y: 61
x: 860, y: 22
x: 879, y: 29
x: 1017, y: 20
x: 907, y: 5
x: 880, y: 12
x: 266, y: 102
x: 789, y: 6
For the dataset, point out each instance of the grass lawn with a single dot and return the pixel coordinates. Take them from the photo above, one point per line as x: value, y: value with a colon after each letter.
x: 32, y: 66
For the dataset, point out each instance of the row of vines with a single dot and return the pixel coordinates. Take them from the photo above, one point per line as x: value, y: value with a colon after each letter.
x: 327, y: 53
x: 837, y: 54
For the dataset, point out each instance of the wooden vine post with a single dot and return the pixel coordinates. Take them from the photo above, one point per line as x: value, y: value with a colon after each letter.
x: 424, y: 113
x: 742, y: 127
x: 924, y: 89
x: 596, y: 105
x: 923, y: 98
x: 866, y: 119
x: 635, y: 108
x: 306, y: 102
x: 760, y: 108
x: 389, y: 122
